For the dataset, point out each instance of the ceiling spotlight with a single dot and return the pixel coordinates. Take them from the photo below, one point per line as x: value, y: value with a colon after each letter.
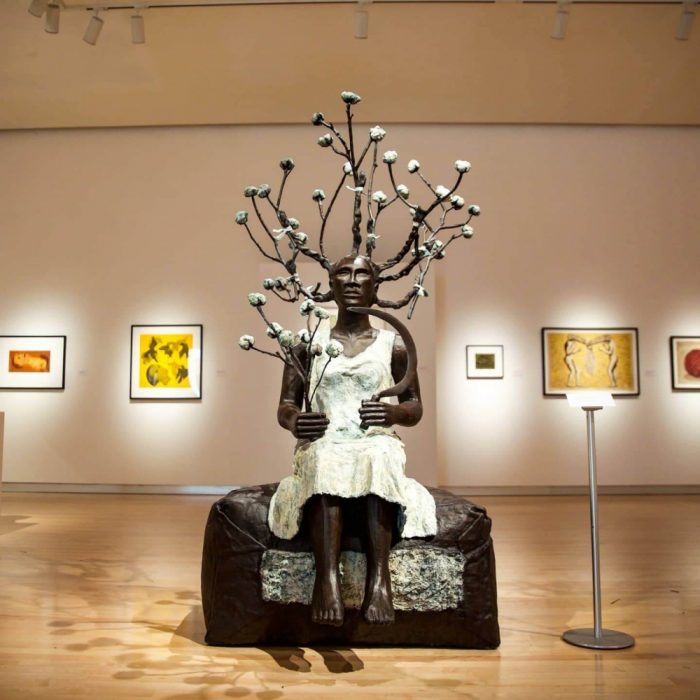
x: 53, y: 14
x: 38, y: 7
x: 93, y: 29
x: 361, y: 24
x: 686, y: 21
x: 138, y: 32
x: 561, y: 19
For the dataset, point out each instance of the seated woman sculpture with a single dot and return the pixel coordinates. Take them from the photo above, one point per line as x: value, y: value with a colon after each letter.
x: 347, y: 449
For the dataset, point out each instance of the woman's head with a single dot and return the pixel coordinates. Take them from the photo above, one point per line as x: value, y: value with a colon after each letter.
x: 353, y: 280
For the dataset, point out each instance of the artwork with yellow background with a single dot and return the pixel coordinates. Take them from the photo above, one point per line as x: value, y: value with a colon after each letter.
x: 586, y: 358
x: 164, y: 361
x: 30, y: 361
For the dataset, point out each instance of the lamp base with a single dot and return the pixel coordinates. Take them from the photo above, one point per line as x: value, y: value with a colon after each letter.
x: 609, y: 639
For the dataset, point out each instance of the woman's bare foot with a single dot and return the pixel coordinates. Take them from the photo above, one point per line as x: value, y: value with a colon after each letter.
x: 327, y: 603
x: 326, y: 524
x: 377, y: 607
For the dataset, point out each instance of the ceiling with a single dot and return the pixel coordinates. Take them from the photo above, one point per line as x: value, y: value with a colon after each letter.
x: 456, y: 62
x: 209, y: 3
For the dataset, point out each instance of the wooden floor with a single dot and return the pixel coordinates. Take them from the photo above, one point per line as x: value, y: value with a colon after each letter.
x: 99, y: 598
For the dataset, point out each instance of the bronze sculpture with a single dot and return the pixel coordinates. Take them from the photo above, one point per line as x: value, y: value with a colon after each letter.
x: 333, y: 399
x: 353, y: 281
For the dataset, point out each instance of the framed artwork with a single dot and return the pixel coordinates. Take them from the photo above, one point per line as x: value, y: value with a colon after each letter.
x: 590, y: 358
x: 685, y: 362
x: 32, y: 361
x: 484, y: 362
x: 166, y: 362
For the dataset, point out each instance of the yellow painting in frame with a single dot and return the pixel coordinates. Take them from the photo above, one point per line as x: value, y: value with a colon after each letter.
x: 590, y: 358
x: 166, y: 362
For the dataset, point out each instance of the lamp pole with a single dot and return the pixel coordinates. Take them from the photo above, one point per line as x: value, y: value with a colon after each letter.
x: 596, y: 638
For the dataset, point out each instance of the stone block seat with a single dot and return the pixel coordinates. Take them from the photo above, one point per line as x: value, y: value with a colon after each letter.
x: 256, y: 588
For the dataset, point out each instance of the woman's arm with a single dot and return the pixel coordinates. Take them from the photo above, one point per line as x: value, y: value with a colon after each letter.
x: 409, y: 410
x: 304, y: 426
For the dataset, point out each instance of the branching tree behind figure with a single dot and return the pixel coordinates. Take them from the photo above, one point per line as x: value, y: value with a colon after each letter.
x: 430, y: 219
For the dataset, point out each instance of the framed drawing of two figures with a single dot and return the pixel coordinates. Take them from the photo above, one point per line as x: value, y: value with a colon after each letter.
x: 590, y: 358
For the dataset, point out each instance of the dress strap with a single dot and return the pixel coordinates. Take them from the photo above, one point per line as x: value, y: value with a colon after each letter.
x: 388, y: 337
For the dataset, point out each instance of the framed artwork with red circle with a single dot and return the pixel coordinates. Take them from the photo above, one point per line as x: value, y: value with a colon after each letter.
x: 685, y: 362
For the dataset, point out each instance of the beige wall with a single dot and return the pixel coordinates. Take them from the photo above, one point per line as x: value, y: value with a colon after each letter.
x: 423, y: 62
x: 102, y: 229
x: 582, y: 226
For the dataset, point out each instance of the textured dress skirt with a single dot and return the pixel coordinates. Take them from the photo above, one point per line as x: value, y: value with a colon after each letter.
x: 348, y: 461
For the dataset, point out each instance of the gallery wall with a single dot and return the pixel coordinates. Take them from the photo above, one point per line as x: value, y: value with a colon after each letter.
x: 581, y: 226
x: 107, y: 228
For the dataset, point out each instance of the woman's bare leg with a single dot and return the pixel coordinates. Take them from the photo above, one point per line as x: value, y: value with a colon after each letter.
x: 377, y: 606
x: 326, y: 525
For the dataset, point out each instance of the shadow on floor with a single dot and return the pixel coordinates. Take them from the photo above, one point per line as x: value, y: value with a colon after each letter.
x: 13, y: 523
x: 337, y: 660
x: 192, y: 626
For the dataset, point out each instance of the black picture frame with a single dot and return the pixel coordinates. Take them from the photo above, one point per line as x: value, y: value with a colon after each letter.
x: 625, y: 338
x: 685, y: 351
x: 43, y: 368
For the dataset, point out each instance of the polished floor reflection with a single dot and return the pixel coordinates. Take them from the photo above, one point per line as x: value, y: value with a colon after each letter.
x: 99, y: 598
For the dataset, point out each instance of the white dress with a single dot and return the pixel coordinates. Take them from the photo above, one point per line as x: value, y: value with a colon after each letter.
x: 348, y: 461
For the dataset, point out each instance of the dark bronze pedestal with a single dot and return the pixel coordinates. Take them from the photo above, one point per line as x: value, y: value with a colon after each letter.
x: 235, y: 612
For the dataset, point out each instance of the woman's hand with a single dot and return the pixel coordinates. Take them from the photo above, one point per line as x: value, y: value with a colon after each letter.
x: 378, y: 413
x: 310, y: 426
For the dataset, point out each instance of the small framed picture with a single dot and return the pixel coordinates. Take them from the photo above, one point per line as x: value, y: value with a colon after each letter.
x: 590, y: 358
x: 166, y: 362
x: 685, y: 362
x: 32, y: 361
x: 484, y: 362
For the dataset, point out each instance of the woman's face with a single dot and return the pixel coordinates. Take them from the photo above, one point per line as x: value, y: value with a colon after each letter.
x: 352, y: 280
